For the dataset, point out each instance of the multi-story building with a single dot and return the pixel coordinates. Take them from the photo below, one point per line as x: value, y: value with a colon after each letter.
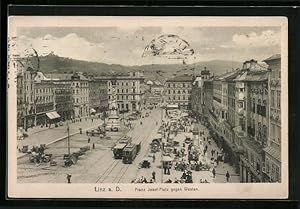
x: 80, y: 91
x: 178, y: 91
x: 44, y: 102
x: 80, y: 87
x: 25, y: 94
x: 197, y: 96
x: 252, y: 119
x: 63, y: 99
x: 208, y: 96
x: 198, y: 92
x: 273, y: 150
x: 128, y: 89
x: 98, y: 96
x: 156, y: 94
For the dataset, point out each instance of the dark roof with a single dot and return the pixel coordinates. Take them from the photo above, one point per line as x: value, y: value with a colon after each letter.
x: 65, y: 76
x: 60, y: 76
x: 181, y: 78
x: 253, y: 76
x: 273, y: 57
x: 228, y: 76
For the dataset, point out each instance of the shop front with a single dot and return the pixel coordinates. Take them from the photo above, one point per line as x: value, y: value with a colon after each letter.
x: 53, y: 118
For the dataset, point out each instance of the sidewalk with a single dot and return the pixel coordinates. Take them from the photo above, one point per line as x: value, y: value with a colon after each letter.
x: 39, y: 135
x: 222, y: 168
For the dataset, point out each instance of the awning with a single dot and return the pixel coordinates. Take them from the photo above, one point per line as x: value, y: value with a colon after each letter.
x: 273, y: 152
x: 172, y: 106
x: 52, y: 115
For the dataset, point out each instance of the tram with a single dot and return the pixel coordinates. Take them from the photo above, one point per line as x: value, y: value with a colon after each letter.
x: 130, y: 152
x: 119, y: 147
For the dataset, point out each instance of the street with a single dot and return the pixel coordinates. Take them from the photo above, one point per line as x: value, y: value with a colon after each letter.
x: 99, y: 166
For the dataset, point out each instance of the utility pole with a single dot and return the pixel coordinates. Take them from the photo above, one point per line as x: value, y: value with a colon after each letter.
x: 68, y: 129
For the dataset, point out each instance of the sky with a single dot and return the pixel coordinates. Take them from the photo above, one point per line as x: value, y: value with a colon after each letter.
x: 125, y: 45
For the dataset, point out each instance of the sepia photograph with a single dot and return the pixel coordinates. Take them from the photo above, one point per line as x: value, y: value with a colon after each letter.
x: 147, y: 107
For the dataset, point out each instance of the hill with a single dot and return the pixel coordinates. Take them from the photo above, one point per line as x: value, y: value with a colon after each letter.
x: 55, y: 64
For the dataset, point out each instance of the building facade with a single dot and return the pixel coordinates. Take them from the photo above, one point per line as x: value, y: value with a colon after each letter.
x: 63, y: 99
x: 129, y: 93
x: 25, y: 96
x: 252, y: 119
x: 198, y: 92
x: 80, y: 88
x: 80, y: 91
x: 98, y: 96
x: 44, y: 101
x: 178, y: 91
x: 273, y: 150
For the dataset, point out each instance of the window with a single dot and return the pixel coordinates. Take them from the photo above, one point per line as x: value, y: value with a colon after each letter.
x: 183, y: 85
x: 272, y: 98
x: 169, y: 91
x: 133, y: 90
x: 178, y: 91
x: 133, y: 83
x: 253, y: 105
x: 173, y: 91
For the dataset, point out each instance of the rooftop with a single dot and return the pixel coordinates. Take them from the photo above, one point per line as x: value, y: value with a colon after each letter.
x: 181, y: 78
x: 273, y: 57
x: 65, y: 76
x: 252, y: 76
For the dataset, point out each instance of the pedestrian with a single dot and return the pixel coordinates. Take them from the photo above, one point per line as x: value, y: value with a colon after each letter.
x: 89, y: 140
x: 153, y: 175
x: 80, y: 119
x: 69, y: 178
x: 227, y: 176
x: 214, y: 172
x: 93, y: 145
x: 153, y: 158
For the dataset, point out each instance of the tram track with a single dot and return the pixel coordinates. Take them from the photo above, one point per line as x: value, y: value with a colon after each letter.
x: 124, y: 168
x: 146, y: 150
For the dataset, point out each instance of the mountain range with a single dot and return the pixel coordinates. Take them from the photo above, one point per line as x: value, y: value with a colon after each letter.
x: 54, y: 64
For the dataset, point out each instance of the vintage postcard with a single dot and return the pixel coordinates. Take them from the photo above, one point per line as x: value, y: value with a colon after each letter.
x: 147, y: 107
